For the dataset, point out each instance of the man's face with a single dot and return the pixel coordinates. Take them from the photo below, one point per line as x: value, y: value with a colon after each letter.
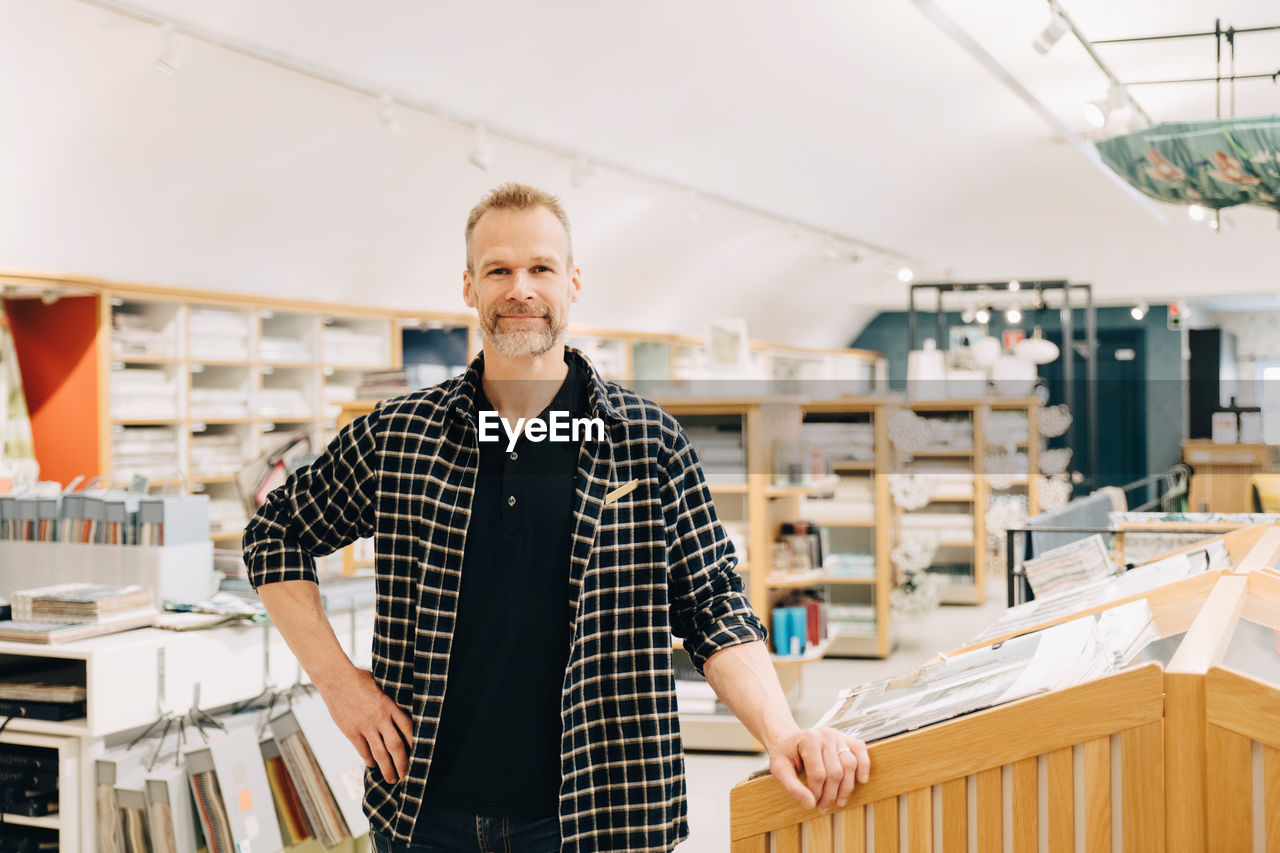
x: 520, y: 283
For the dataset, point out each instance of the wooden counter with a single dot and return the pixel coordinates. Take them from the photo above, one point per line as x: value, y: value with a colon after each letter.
x: 1222, y: 472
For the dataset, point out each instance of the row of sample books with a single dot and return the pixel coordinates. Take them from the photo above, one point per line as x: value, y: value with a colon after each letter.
x: 109, y: 517
x: 300, y: 780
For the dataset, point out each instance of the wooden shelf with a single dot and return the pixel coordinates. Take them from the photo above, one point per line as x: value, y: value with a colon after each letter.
x: 813, y: 653
x: 223, y: 362
x: 227, y: 534
x: 222, y: 421
x: 47, y: 822
x: 800, y: 581
x: 800, y: 491
x: 844, y: 522
x: 289, y: 365
x: 360, y: 367
x: 955, y: 543
x: 728, y: 488
x: 146, y: 359
x: 940, y: 454
x: 147, y: 421
x: 853, y: 466
x: 952, y: 500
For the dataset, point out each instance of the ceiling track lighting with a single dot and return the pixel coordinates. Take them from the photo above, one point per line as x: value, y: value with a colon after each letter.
x: 1013, y: 314
x: 982, y: 315
x: 1097, y: 112
x: 905, y: 274
x: 1053, y: 32
x: 1015, y: 286
x: 481, y: 155
x: 169, y: 59
x: 581, y: 171
x: 1139, y: 311
x: 387, y: 114
x: 1196, y: 212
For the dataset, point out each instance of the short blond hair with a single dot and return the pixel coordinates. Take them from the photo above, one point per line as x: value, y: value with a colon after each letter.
x: 515, y: 196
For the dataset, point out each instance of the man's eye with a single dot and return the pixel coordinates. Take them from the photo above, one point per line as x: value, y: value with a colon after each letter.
x: 541, y: 268
x: 499, y: 271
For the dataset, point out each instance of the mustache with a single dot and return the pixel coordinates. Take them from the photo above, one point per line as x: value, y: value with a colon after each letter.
x: 523, y: 310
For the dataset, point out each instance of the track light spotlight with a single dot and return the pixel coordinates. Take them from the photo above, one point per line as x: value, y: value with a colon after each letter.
x: 905, y: 274
x: 1015, y: 286
x: 1051, y: 34
x: 481, y: 155
x: 1139, y: 311
x: 1013, y: 315
x: 387, y: 114
x: 169, y: 60
x: 581, y: 171
x: 1196, y: 212
x: 1097, y: 112
x: 982, y: 315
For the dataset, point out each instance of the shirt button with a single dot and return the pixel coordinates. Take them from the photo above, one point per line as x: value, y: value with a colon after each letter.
x: 511, y: 501
x: 514, y: 456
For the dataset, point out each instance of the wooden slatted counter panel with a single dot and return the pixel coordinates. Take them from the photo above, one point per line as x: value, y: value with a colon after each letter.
x: 1197, y: 746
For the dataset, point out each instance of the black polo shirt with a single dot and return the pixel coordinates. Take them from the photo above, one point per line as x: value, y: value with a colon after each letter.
x: 497, y: 750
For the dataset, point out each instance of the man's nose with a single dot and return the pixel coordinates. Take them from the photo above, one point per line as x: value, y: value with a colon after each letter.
x: 521, y: 285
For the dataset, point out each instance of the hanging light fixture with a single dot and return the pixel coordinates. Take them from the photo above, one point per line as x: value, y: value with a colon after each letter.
x: 905, y: 274
x: 1015, y: 286
x: 982, y: 315
x: 1196, y: 212
x: 1013, y: 314
x: 1139, y: 311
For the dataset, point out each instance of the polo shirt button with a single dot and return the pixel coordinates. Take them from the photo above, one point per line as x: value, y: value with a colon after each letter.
x: 514, y: 456
x: 511, y: 501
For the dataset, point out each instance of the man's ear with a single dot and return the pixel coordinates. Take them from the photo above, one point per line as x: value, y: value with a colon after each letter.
x: 575, y: 284
x: 468, y: 289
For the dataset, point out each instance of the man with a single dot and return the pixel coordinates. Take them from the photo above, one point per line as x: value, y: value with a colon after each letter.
x: 522, y: 694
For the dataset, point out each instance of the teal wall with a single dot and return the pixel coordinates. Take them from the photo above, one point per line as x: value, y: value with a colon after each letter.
x: 888, y: 332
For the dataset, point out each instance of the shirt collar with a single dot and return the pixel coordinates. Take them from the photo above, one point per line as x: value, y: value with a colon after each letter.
x: 461, y: 402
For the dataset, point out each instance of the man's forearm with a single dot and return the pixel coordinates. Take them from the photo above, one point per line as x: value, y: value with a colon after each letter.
x: 296, y: 610
x: 744, y: 679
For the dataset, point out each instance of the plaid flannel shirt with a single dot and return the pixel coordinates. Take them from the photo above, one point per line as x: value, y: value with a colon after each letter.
x: 649, y: 565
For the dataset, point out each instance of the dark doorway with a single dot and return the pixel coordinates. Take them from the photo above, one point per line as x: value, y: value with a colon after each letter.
x: 1122, y: 411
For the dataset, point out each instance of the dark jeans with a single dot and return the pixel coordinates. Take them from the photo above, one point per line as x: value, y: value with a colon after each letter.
x: 463, y: 832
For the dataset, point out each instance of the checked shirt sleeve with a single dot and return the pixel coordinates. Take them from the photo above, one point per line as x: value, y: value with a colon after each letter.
x: 709, y: 609
x: 319, y: 509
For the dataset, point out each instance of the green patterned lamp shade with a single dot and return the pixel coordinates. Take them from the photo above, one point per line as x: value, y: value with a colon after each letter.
x: 1216, y: 164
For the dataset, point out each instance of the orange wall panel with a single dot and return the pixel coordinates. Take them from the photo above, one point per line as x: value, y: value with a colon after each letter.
x: 57, y: 353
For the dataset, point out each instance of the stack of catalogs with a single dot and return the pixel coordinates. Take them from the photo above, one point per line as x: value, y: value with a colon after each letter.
x: 233, y: 797
x: 131, y: 799
x: 169, y: 815
x: 293, y: 818
x: 326, y: 770
x: 112, y: 767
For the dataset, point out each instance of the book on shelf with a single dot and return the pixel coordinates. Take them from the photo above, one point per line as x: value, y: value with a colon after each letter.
x: 294, y: 826
x: 170, y: 814
x: 327, y: 770
x: 233, y: 798
x: 47, y: 690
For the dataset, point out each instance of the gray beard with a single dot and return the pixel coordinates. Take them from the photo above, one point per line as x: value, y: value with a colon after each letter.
x: 523, y: 343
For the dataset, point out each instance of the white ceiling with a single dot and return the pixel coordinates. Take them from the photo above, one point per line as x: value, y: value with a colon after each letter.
x: 860, y: 116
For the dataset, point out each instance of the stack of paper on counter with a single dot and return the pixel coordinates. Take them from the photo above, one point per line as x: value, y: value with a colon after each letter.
x: 1055, y: 658
x: 327, y: 770
x: 170, y: 811
x: 233, y: 798
x: 1136, y: 581
x: 1069, y: 566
